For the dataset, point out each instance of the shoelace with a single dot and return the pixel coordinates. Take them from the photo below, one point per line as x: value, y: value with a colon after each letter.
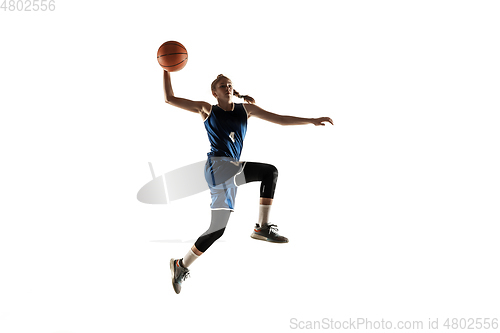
x: 185, y: 276
x: 273, y: 228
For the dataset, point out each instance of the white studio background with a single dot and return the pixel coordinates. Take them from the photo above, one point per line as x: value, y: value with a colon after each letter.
x: 391, y: 214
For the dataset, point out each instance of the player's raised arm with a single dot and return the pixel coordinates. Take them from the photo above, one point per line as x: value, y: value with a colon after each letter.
x: 199, y: 107
x: 254, y: 110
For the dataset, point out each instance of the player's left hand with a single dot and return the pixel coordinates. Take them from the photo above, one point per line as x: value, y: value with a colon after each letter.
x: 321, y: 121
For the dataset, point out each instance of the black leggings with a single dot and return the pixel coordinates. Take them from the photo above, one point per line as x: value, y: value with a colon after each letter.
x: 266, y: 173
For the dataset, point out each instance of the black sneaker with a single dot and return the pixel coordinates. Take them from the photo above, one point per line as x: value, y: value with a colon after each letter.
x: 179, y: 274
x: 269, y: 233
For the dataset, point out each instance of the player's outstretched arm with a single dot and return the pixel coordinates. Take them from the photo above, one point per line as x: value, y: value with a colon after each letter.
x: 186, y: 104
x: 254, y: 110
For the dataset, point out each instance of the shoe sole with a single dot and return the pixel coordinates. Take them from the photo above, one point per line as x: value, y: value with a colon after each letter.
x: 265, y: 239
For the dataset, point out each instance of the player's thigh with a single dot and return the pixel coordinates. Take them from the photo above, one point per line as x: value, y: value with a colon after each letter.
x: 255, y: 171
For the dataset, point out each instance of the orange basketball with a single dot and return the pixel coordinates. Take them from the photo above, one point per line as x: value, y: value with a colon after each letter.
x: 172, y: 56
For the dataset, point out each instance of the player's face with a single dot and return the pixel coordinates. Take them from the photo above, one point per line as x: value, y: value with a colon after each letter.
x: 224, y: 89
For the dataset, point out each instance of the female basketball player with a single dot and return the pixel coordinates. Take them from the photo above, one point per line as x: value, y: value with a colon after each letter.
x: 226, y: 124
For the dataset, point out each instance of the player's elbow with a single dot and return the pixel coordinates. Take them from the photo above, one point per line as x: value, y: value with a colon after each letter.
x: 169, y: 99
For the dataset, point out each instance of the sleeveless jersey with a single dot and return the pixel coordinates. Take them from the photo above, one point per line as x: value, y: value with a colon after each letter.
x: 226, y: 131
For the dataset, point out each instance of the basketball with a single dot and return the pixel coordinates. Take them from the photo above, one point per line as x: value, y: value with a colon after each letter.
x: 172, y: 56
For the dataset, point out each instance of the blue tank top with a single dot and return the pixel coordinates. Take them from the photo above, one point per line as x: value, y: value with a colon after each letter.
x: 226, y: 131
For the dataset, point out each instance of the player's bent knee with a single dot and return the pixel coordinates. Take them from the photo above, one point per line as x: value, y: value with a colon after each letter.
x: 275, y: 172
x: 205, y: 241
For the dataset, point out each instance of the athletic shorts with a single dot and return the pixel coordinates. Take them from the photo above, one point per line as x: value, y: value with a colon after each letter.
x: 220, y: 174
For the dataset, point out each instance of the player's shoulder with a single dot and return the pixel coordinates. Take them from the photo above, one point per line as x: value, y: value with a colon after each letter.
x: 206, y: 109
x: 251, y: 108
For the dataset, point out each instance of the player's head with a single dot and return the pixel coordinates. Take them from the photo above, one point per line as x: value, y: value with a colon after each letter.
x: 222, y: 88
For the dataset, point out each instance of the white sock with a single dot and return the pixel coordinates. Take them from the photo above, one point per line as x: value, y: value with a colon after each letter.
x: 189, y: 258
x: 264, y: 214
